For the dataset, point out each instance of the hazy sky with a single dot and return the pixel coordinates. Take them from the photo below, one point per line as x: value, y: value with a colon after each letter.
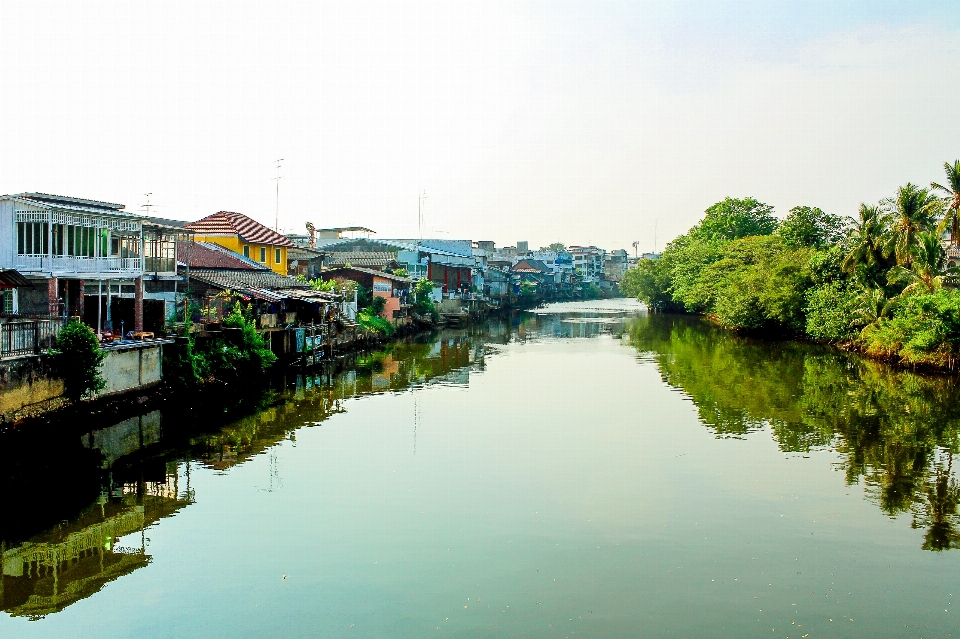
x: 582, y: 122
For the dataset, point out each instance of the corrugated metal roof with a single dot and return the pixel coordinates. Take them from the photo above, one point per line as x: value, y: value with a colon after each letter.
x: 210, y: 255
x: 62, y: 203
x: 267, y: 286
x: 369, y: 271
x: 11, y: 278
x: 229, y: 223
x: 360, y: 258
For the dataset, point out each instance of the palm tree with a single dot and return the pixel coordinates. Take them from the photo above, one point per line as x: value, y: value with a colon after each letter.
x: 865, y: 238
x: 913, y: 211
x: 928, y: 271
x: 952, y: 191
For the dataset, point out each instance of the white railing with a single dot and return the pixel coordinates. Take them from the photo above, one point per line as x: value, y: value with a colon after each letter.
x: 77, y: 264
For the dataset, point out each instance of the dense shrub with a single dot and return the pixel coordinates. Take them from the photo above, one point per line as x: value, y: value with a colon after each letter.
x: 77, y: 358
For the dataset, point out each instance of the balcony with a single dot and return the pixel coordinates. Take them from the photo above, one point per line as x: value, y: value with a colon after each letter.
x: 76, y: 265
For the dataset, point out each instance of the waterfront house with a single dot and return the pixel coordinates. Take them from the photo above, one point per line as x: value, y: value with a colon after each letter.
x: 275, y: 300
x: 448, y: 263
x: 76, y: 253
x: 394, y: 289
x: 246, y: 236
x: 306, y: 262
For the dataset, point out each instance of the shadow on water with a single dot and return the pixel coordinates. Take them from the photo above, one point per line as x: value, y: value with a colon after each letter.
x: 896, y: 431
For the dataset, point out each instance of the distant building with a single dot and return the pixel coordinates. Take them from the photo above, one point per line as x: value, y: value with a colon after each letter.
x: 523, y: 247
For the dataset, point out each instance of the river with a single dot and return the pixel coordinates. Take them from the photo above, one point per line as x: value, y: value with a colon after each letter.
x: 584, y: 470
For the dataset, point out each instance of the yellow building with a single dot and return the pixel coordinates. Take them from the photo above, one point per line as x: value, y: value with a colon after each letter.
x: 239, y: 233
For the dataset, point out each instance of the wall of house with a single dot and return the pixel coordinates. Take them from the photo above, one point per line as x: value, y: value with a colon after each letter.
x: 7, y: 234
x: 236, y: 244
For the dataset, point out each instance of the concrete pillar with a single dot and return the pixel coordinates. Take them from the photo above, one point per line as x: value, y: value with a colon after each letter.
x: 53, y: 305
x: 80, y: 296
x: 138, y: 305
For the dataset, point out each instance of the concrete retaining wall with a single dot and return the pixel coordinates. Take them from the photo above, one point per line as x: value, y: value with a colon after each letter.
x: 129, y: 368
x: 29, y: 387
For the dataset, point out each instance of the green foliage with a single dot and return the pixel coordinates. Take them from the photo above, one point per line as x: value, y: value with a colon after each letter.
x: 400, y: 272
x: 327, y: 286
x: 809, y: 226
x: 734, y: 218
x: 422, y: 302
x: 369, y: 322
x: 831, y: 309
x: 77, y: 358
x: 650, y: 283
x: 240, y: 357
x: 528, y: 291
x: 376, y: 306
x: 364, y: 296
x: 555, y: 246
x: 923, y: 329
x: 180, y: 364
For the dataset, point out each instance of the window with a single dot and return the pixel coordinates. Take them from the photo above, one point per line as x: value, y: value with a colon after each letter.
x: 31, y: 238
x: 278, y: 256
x: 246, y: 251
x: 263, y: 255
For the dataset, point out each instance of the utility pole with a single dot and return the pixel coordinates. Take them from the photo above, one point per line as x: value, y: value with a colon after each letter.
x: 276, y: 223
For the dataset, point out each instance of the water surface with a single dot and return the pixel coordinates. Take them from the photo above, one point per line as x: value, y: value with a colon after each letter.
x: 584, y: 470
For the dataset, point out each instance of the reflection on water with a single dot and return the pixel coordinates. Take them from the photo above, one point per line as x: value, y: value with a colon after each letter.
x: 897, y: 431
x: 578, y: 470
x: 75, y: 559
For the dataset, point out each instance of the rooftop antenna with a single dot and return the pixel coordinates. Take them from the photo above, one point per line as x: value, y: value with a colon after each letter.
x: 420, y: 198
x: 635, y: 244
x: 276, y: 223
x: 146, y: 207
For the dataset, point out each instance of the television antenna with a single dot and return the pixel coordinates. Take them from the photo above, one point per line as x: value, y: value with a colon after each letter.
x: 146, y: 207
x: 276, y: 222
x: 420, y: 198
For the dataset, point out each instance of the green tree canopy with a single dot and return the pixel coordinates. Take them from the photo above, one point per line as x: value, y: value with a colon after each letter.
x: 810, y: 226
x: 734, y: 218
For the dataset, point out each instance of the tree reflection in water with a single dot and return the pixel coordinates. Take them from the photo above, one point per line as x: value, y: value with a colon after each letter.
x: 896, y: 430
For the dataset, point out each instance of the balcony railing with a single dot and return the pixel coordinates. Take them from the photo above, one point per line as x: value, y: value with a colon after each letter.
x: 77, y: 264
x: 28, y: 337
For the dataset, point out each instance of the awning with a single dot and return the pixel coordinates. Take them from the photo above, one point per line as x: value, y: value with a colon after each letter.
x: 11, y: 278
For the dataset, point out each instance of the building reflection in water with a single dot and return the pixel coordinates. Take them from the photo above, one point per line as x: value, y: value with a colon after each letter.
x: 145, y: 464
x: 75, y: 559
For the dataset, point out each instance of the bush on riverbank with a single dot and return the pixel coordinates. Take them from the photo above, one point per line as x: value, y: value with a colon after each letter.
x: 880, y: 283
x: 78, y: 357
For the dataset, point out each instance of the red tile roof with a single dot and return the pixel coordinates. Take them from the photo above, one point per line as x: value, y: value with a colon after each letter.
x: 227, y: 223
x: 207, y: 255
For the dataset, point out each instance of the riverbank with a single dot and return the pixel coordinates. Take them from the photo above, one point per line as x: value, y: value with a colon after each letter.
x: 882, y: 284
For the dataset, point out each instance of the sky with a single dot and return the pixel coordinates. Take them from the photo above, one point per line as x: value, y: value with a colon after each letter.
x: 582, y: 122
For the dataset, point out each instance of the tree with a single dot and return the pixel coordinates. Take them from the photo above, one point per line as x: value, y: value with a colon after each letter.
x: 78, y: 358
x: 556, y: 247
x: 810, y: 226
x: 913, y: 211
x: 927, y: 272
x: 866, y: 239
x: 734, y: 218
x: 952, y: 190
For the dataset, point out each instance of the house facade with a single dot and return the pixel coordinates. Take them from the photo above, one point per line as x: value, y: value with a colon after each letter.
x: 246, y: 236
x: 81, y: 256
